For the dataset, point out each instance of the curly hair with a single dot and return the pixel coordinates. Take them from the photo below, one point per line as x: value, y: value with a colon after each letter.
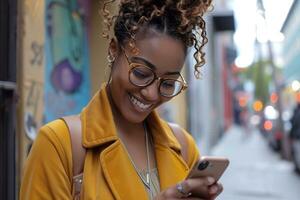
x: 181, y: 19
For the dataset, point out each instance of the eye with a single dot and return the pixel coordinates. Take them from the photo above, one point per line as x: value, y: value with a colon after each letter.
x: 141, y: 72
x: 168, y: 84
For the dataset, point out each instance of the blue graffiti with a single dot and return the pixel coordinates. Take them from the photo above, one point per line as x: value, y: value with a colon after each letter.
x: 67, y: 79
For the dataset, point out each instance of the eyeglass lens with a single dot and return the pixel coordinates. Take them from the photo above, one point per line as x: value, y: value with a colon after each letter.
x: 143, y: 76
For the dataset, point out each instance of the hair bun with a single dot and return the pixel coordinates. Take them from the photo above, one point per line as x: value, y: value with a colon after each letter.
x: 181, y: 19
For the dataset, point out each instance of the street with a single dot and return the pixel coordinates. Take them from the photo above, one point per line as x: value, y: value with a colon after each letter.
x: 255, y: 171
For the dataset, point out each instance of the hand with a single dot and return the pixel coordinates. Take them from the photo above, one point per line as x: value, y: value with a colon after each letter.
x: 204, y: 188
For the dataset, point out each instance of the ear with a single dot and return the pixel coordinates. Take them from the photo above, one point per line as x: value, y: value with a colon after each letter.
x: 113, y: 47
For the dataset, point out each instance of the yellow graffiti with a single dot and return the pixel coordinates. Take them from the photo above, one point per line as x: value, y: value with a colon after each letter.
x: 35, y: 8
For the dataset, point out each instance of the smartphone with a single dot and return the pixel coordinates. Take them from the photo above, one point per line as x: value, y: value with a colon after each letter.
x: 209, y: 166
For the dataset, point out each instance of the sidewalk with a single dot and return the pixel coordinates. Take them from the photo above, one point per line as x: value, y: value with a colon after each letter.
x: 255, y: 172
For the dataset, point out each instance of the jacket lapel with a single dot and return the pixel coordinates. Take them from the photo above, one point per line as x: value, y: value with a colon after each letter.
x: 98, y: 129
x: 120, y: 173
x: 171, y: 166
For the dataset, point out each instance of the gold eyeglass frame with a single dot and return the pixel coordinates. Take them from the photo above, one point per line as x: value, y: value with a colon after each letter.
x: 133, y: 65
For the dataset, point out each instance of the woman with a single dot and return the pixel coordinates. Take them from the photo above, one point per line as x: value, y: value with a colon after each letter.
x: 130, y: 152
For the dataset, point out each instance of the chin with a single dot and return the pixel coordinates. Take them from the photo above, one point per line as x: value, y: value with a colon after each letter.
x: 135, y: 119
x: 135, y: 111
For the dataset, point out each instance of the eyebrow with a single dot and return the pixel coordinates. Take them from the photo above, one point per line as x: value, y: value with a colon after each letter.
x: 152, y: 66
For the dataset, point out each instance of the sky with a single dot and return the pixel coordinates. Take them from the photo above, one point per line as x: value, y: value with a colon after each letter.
x: 247, y: 19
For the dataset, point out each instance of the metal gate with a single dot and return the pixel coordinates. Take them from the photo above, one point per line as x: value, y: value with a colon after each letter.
x: 8, y: 29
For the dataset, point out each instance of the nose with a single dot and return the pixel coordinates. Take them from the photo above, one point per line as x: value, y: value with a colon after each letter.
x: 151, y: 92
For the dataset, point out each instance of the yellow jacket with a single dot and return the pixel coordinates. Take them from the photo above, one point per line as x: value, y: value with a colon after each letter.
x: 108, y: 172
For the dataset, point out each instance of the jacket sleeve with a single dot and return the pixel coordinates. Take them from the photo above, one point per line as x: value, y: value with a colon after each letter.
x: 48, y: 168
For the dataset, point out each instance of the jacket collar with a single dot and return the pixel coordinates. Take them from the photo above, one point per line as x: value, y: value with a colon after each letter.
x: 98, y: 126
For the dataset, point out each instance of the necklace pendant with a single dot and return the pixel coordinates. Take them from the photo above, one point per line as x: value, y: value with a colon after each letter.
x: 147, y: 177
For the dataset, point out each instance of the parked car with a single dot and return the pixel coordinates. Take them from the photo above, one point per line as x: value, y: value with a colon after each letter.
x: 295, y: 145
x: 268, y: 129
x: 295, y: 137
x: 268, y: 126
x: 274, y: 137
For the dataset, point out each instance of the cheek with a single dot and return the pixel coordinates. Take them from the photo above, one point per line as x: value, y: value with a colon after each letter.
x: 119, y: 75
x: 162, y: 101
x: 121, y: 84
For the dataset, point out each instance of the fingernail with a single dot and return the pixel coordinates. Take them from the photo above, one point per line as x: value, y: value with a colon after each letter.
x: 210, y: 180
x: 213, y: 190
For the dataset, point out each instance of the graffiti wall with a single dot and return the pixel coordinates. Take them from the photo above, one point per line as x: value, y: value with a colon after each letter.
x: 32, y: 61
x: 67, y: 84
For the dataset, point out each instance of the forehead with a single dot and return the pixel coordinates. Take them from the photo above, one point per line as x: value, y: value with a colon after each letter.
x: 164, y: 52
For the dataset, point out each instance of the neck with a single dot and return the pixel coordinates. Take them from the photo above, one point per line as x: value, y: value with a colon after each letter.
x: 122, y: 124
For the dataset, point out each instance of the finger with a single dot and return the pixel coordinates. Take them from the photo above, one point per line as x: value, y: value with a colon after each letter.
x: 199, y: 186
x: 220, y: 189
x: 190, y: 188
x: 192, y: 198
x: 178, y: 191
x: 204, y: 180
x: 183, y: 190
x: 201, y: 181
x: 215, y: 192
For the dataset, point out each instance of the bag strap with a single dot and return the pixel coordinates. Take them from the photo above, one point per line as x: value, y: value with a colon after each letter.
x: 78, y: 153
x: 180, y: 136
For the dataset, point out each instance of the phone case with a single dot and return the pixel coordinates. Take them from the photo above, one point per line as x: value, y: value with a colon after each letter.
x: 209, y: 166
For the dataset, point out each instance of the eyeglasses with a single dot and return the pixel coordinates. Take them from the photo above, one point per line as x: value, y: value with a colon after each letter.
x: 141, y: 75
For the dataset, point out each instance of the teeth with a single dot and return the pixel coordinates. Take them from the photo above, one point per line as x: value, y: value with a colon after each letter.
x: 139, y: 104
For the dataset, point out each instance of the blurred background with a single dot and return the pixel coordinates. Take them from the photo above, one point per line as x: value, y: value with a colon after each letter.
x: 245, y: 106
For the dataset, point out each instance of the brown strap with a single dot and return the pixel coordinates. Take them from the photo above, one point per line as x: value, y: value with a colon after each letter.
x: 78, y: 151
x: 179, y: 134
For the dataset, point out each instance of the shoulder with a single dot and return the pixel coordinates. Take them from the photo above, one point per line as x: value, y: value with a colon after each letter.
x: 53, y: 139
x: 48, y: 168
x: 189, y: 148
x: 56, y: 131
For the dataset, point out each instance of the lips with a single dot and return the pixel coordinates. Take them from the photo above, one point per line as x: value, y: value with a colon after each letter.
x: 137, y: 103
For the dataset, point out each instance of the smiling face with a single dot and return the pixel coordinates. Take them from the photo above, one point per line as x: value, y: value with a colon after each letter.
x: 164, y: 55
